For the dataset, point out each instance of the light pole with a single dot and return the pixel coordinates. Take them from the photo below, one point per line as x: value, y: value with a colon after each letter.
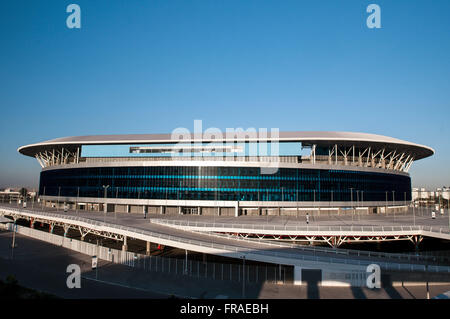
x: 106, y: 205
x: 215, y: 202
x: 357, y: 202
x: 420, y: 198
x: 14, y: 240
x: 439, y: 197
x: 404, y: 197
x: 362, y: 201
x: 448, y: 206
x: 59, y: 194
x: 243, y: 276
x: 115, y: 210
x: 426, y: 275
x: 393, y: 203
x: 351, y: 200
x: 96, y: 266
x: 314, y: 202
x: 386, y: 204
x: 186, y: 263
x: 76, y: 205
x: 331, y: 203
x: 42, y: 202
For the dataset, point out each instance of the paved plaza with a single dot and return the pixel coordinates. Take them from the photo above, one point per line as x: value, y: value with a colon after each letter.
x: 42, y: 266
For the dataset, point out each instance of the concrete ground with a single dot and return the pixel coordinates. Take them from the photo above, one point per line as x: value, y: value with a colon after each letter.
x: 42, y: 266
x: 418, y: 216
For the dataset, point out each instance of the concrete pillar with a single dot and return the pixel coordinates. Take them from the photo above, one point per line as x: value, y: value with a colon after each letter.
x: 147, y: 250
x: 279, y: 211
x: 236, y: 209
x: 127, y: 208
x: 199, y: 210
x: 297, y: 275
x: 179, y: 210
x: 161, y: 211
x: 124, y: 246
x: 218, y: 210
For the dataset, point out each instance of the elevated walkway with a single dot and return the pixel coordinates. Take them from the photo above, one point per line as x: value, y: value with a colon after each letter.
x: 333, y: 235
x: 331, y: 264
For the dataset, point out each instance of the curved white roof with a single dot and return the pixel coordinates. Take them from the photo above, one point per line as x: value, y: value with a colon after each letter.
x: 308, y: 137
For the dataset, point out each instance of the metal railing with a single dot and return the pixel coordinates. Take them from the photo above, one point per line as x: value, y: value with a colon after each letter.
x: 263, y: 227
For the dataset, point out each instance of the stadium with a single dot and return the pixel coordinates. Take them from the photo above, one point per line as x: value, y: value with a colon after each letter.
x: 232, y: 174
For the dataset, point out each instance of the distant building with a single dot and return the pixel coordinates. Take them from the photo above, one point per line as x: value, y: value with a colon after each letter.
x: 9, y: 194
x: 440, y: 196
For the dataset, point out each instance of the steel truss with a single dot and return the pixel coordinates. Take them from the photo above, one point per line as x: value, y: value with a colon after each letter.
x: 376, y: 157
x: 332, y: 240
x: 57, y: 157
x: 66, y: 226
x: 364, y: 157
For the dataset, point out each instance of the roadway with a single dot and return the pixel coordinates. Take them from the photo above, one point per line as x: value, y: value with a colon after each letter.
x: 42, y: 266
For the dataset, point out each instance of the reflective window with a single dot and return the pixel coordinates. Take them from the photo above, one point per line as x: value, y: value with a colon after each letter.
x: 225, y: 183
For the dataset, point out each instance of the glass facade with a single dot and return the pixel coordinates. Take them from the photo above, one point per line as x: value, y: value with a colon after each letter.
x: 194, y: 149
x: 225, y: 183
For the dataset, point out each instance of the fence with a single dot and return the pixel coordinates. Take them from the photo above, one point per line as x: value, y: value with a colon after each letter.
x: 168, y: 265
x: 210, y: 270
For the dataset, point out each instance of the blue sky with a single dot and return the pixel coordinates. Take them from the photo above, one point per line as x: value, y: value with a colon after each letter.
x: 152, y: 66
